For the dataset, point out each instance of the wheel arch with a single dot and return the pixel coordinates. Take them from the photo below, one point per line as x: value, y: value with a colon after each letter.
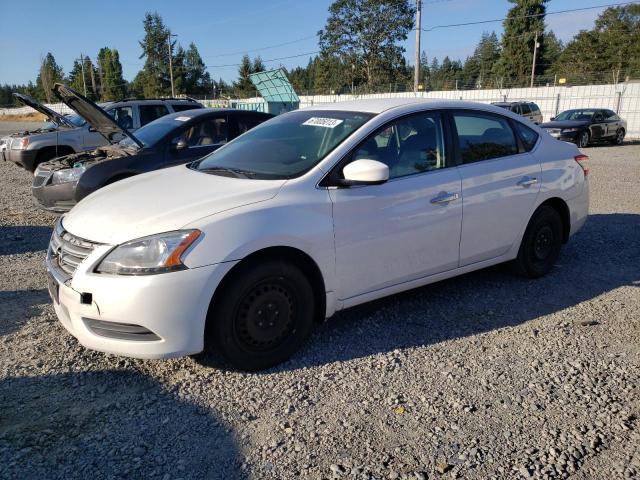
x: 60, y: 150
x: 289, y: 254
x: 560, y: 206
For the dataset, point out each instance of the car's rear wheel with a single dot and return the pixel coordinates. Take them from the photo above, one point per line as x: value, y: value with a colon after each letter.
x: 541, y: 243
x: 262, y: 316
x: 619, y: 138
x: 583, y: 139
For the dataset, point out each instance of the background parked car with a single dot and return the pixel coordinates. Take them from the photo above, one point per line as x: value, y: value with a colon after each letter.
x: 586, y: 125
x: 526, y: 109
x: 66, y: 134
x: 171, y: 140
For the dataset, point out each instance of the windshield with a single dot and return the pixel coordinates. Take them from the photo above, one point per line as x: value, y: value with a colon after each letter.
x: 285, y: 146
x: 150, y: 133
x: 75, y: 119
x: 576, y: 115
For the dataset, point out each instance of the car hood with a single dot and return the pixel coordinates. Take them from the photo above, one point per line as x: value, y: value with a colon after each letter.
x: 161, y: 201
x: 93, y: 114
x: 565, y: 124
x: 52, y: 116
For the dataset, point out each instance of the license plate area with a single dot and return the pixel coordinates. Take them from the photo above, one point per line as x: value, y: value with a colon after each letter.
x: 53, y: 287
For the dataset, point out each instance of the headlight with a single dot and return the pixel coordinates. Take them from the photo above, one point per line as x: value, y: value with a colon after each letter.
x: 567, y: 130
x: 67, y: 175
x: 20, y: 143
x: 149, y: 255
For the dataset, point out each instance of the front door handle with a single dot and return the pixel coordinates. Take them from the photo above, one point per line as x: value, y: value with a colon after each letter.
x: 445, y: 197
x: 528, y: 181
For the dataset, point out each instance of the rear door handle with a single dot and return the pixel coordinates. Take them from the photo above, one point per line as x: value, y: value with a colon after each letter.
x: 445, y: 197
x: 528, y: 181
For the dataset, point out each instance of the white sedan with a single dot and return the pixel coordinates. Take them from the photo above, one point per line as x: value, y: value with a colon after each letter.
x: 314, y: 211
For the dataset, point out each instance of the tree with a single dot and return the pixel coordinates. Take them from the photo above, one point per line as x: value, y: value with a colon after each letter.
x: 79, y: 83
x: 243, y: 86
x: 112, y: 84
x: 196, y: 78
x: 611, y: 48
x: 524, y: 19
x: 478, y: 67
x: 49, y: 74
x: 155, y: 80
x: 258, y: 65
x: 355, y: 34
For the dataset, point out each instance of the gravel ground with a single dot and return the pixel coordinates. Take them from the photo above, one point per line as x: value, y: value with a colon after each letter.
x: 483, y: 376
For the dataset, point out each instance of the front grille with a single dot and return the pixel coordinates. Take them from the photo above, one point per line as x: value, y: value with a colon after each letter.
x: 68, y: 251
x: 553, y: 131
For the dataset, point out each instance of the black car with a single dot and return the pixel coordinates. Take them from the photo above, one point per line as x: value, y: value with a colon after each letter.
x: 587, y: 125
x: 174, y: 139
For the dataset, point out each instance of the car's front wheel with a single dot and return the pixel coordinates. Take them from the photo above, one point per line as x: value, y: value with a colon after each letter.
x: 262, y: 315
x: 541, y: 243
x: 583, y: 139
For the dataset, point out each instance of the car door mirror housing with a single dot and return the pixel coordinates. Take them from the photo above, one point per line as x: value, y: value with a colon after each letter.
x: 552, y: 119
x: 365, y: 172
x: 92, y: 129
x: 181, y: 144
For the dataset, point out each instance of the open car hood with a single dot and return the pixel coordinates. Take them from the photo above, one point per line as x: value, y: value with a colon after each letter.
x: 93, y: 114
x: 52, y: 116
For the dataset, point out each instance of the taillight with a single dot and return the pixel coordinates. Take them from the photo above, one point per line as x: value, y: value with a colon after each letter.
x: 582, y: 161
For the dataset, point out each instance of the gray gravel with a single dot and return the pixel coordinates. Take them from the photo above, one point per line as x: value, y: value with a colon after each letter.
x: 483, y: 376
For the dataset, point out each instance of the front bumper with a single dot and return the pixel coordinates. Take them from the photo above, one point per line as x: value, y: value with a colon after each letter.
x: 24, y: 158
x: 172, y: 306
x: 564, y: 136
x: 54, y: 198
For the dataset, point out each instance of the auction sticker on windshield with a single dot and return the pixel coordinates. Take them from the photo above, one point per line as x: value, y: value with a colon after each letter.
x: 323, y: 122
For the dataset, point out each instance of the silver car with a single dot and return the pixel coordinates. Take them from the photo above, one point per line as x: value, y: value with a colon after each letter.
x: 66, y: 134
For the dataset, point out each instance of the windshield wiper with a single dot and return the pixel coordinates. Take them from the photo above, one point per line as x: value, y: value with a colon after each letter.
x: 238, y: 173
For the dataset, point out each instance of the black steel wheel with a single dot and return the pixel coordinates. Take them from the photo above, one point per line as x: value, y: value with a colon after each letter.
x: 541, y: 243
x: 263, y: 315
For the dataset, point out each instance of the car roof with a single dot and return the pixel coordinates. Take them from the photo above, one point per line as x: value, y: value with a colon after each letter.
x: 199, y: 112
x: 379, y: 105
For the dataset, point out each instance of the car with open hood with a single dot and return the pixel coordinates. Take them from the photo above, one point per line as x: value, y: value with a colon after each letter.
x: 65, y: 134
x: 316, y: 210
x: 171, y: 140
x: 584, y: 126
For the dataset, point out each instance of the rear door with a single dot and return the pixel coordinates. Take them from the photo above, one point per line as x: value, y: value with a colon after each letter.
x: 500, y: 183
x: 598, y: 125
x: 613, y: 122
x: 198, y: 139
x: 148, y: 113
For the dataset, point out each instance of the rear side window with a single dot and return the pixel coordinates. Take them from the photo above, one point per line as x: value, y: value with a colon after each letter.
x: 123, y: 116
x: 148, y: 113
x: 181, y: 107
x: 535, y: 108
x: 482, y: 136
x: 524, y: 109
x: 527, y: 135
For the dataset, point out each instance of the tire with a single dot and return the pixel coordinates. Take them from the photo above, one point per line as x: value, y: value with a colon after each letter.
x: 262, y: 316
x: 541, y: 243
x: 619, y: 138
x: 582, y: 140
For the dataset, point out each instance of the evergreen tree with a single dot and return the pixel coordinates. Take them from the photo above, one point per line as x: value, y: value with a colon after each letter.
x: 243, y: 87
x: 524, y: 19
x: 50, y: 73
x: 258, y: 65
x: 155, y: 79
x: 112, y: 84
x: 196, y: 79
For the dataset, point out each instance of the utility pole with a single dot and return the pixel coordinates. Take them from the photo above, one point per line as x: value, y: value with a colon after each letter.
x: 535, y: 54
x: 173, y: 92
x: 84, y: 83
x: 416, y: 72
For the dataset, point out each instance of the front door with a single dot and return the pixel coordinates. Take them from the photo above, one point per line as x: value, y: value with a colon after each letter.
x: 199, y: 139
x: 408, y: 227
x: 500, y: 183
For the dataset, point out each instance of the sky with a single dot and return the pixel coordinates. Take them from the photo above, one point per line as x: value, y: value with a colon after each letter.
x: 223, y: 31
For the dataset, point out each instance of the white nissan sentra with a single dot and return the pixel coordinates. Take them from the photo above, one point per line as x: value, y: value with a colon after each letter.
x: 311, y: 212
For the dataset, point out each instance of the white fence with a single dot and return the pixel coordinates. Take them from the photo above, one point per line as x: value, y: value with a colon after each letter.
x: 623, y: 98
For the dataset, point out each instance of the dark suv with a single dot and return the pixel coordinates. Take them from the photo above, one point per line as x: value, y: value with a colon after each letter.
x: 526, y: 109
x: 66, y: 134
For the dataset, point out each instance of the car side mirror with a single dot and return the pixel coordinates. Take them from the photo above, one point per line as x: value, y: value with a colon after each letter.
x: 181, y: 144
x: 552, y: 119
x: 365, y: 172
x: 92, y: 129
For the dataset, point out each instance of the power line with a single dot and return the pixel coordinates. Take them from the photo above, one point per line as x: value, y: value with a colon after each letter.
x: 240, y: 52
x: 266, y: 61
x: 479, y: 22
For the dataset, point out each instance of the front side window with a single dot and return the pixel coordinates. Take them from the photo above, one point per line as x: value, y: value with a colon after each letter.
x: 410, y: 145
x: 576, y: 115
x: 524, y: 109
x: 148, y: 113
x: 212, y: 131
x: 285, y: 146
x: 482, y: 136
x: 247, y: 122
x: 123, y: 116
